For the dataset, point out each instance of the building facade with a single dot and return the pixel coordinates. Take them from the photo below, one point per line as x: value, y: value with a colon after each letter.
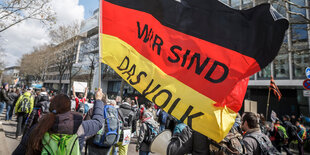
x: 288, y: 68
x: 10, y: 75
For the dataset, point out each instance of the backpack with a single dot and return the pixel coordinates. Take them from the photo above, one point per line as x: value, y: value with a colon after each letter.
x: 162, y: 117
x: 24, y: 105
x: 108, y: 135
x: 81, y: 108
x: 265, y: 144
x: 60, y: 144
x: 231, y: 144
x: 151, y: 133
x: 281, y: 134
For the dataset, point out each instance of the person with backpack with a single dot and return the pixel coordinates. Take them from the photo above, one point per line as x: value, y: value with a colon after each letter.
x: 302, y: 133
x: 41, y: 106
x: 279, y: 137
x: 80, y: 100
x: 23, y: 109
x: 101, y: 143
x: 126, y: 116
x: 162, y: 119
x: 148, y: 131
x: 254, y: 140
x: 4, y: 96
x: 61, y: 131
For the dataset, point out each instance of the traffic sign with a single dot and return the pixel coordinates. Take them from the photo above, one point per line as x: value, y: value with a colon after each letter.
x: 306, y: 93
x: 308, y: 72
x: 306, y: 84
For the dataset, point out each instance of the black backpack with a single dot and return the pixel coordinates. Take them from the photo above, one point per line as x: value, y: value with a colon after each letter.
x: 265, y: 144
x: 151, y: 133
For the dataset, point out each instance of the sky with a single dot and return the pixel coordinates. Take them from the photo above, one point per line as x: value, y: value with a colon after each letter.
x: 21, y: 38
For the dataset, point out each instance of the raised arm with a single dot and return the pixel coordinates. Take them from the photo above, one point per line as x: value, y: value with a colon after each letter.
x: 73, y: 91
x: 85, y: 93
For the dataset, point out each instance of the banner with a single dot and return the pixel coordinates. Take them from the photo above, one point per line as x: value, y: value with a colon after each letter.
x: 192, y: 59
x: 79, y: 87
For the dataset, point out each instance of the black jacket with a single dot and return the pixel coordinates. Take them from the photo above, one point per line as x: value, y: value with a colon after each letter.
x: 4, y: 96
x: 189, y: 142
x: 128, y: 114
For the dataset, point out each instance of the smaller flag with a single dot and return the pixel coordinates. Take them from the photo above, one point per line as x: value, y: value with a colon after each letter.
x: 275, y: 89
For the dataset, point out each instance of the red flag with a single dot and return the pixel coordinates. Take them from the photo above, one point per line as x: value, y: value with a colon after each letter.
x: 275, y: 89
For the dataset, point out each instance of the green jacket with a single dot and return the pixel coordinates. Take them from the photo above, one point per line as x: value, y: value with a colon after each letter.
x: 18, y: 106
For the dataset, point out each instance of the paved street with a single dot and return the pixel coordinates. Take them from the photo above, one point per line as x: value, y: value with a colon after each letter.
x: 9, y: 143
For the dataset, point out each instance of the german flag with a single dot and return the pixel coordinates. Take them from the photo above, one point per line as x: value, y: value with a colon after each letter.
x: 275, y: 89
x: 191, y: 58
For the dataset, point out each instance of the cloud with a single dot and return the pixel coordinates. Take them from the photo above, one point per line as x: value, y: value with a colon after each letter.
x: 21, y: 38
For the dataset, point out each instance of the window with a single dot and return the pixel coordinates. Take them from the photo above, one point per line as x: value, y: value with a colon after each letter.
x: 264, y: 73
x: 114, y: 86
x: 300, y: 62
x: 281, y: 67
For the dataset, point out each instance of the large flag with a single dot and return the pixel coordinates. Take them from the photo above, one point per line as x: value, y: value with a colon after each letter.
x: 192, y: 58
x: 275, y: 89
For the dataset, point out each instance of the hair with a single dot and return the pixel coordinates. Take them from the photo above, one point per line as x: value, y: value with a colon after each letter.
x: 59, y: 104
x: 43, y: 89
x: 251, y: 119
x: 262, y: 118
x: 148, y: 105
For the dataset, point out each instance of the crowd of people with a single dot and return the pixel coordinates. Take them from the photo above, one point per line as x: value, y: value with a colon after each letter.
x: 96, y: 124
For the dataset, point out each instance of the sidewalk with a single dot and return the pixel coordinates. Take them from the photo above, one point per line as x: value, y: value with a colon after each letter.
x: 7, y: 135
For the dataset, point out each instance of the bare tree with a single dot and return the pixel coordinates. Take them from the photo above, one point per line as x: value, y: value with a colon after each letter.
x: 13, y: 12
x: 66, y: 36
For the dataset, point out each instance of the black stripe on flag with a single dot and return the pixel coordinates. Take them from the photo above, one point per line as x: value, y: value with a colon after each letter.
x: 252, y: 32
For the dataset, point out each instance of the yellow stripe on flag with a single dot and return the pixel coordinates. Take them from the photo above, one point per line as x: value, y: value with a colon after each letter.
x: 166, y: 91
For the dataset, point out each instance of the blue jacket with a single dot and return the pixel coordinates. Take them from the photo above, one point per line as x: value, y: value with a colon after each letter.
x: 81, y: 128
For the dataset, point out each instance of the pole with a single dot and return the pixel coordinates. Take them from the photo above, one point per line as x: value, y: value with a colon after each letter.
x: 99, y: 58
x: 268, y: 100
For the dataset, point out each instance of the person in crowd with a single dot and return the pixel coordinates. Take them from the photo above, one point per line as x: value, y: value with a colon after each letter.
x: 162, y: 119
x: 59, y: 122
x: 187, y: 141
x: 9, y: 105
x: 91, y: 99
x: 302, y: 133
x: 141, y: 111
x: 150, y: 109
x: 118, y: 100
x: 90, y: 147
x: 23, y: 109
x: 4, y: 96
x: 293, y: 119
x: 253, y: 136
x: 41, y: 106
x: 14, y: 96
x: 148, y: 128
x: 80, y: 100
x: 290, y: 130
x: 279, y: 138
x: 127, y: 116
x: 136, y: 118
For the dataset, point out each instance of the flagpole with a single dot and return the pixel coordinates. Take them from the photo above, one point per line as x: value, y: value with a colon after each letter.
x: 268, y: 104
x: 99, y: 58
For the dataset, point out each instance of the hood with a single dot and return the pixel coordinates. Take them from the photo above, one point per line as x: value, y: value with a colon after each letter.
x: 43, y: 93
x: 125, y: 105
x: 27, y: 94
x: 67, y: 123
